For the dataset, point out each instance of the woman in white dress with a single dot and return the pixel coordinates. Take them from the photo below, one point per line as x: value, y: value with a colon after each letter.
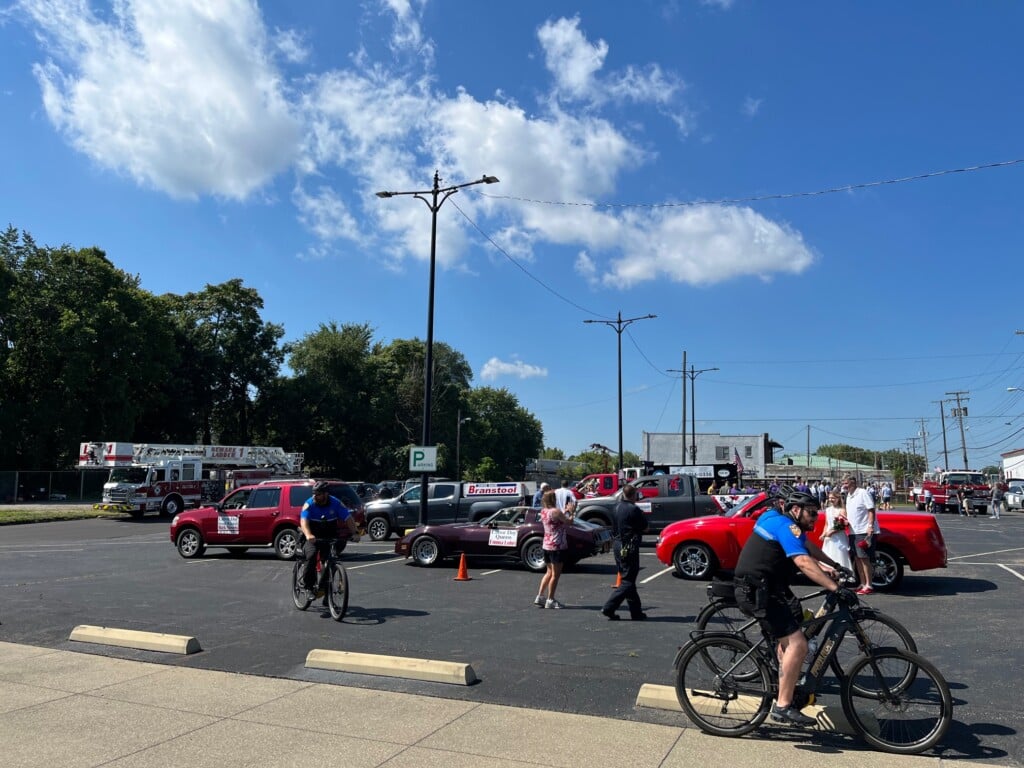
x: 834, y: 541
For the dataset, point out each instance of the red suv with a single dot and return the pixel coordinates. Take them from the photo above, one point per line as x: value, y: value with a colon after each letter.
x: 261, y: 515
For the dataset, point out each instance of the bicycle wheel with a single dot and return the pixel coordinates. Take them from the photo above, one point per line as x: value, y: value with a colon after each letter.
x: 903, y: 720
x: 719, y: 690
x: 299, y: 596
x: 337, y: 592
x: 884, y: 632
x: 725, y: 616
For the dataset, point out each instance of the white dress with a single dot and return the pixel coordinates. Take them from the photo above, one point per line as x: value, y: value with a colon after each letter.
x: 836, y: 546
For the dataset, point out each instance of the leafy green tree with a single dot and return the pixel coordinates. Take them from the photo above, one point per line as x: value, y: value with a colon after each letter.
x: 234, y: 355
x: 486, y: 471
x: 556, y: 454
x: 85, y: 351
x: 502, y: 430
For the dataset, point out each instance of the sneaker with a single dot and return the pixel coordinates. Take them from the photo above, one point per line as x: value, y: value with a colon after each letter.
x: 553, y: 604
x: 638, y: 616
x: 865, y: 591
x: 791, y: 715
x: 539, y: 600
x: 612, y: 615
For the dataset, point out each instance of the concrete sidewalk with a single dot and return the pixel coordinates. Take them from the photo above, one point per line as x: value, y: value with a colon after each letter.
x: 59, y: 708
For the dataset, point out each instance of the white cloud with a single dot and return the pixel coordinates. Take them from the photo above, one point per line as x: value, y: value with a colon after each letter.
x: 495, y: 368
x: 184, y: 97
x: 575, y: 63
x: 180, y: 96
x: 751, y: 106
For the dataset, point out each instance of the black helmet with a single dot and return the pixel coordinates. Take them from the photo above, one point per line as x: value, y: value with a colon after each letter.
x: 801, y: 499
x: 321, y: 487
x: 784, y: 491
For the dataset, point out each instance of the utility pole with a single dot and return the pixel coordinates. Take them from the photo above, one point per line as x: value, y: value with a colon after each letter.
x: 619, y: 325
x: 692, y: 374
x: 960, y: 412
x: 924, y: 443
x: 945, y: 451
x: 684, y: 411
x: 808, y: 446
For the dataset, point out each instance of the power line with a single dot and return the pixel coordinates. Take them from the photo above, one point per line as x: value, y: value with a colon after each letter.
x: 774, y: 196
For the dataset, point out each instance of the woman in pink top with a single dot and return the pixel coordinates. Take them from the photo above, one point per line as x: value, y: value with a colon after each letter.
x: 555, y: 543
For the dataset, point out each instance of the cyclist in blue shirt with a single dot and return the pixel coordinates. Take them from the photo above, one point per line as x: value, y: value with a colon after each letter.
x: 319, y: 523
x: 775, y: 552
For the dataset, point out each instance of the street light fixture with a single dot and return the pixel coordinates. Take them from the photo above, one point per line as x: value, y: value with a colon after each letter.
x: 619, y: 326
x: 438, y: 195
x: 458, y: 445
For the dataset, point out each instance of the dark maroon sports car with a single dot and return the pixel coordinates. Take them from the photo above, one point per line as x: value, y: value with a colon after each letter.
x: 513, y: 533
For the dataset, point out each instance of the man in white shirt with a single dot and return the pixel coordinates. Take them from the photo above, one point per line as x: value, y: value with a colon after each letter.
x: 565, y: 498
x: 860, y: 513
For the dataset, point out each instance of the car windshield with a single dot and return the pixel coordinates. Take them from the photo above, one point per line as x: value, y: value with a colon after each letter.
x: 960, y: 478
x: 507, y: 516
x: 128, y: 475
x: 742, y: 510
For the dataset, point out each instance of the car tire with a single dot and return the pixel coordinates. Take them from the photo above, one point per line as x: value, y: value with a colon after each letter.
x: 694, y: 561
x: 285, y: 543
x: 378, y: 528
x: 532, y: 554
x: 425, y: 551
x: 596, y: 519
x: 172, y: 505
x: 189, y: 543
x: 887, y: 571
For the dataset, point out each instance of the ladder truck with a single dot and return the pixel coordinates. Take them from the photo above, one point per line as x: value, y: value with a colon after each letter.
x: 167, y: 478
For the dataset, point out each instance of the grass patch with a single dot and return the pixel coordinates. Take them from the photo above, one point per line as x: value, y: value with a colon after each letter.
x: 16, y: 516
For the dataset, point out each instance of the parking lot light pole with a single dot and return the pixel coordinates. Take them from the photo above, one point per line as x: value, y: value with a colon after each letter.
x: 438, y: 195
x: 619, y: 325
x: 458, y: 445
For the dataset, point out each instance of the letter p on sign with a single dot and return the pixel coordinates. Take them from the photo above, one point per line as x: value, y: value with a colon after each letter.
x: 423, y: 458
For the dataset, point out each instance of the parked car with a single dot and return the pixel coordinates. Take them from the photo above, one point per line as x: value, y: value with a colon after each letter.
x: 264, y: 515
x: 512, y: 533
x: 1014, y: 498
x: 700, y: 547
x: 365, y: 491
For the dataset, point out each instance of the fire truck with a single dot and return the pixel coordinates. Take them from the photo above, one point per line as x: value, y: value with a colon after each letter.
x: 167, y: 478
x: 945, y: 486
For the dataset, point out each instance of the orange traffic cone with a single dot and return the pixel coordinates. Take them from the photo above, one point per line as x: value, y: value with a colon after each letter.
x: 463, y: 574
x: 618, y: 580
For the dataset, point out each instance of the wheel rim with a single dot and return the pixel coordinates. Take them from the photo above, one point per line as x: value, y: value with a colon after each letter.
x: 172, y: 507
x: 885, y: 570
x: 188, y: 543
x: 533, y: 556
x: 693, y: 561
x: 425, y: 551
x: 378, y: 529
x: 286, y: 545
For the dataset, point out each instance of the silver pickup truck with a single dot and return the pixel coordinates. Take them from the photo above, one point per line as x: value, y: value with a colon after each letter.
x: 447, y: 502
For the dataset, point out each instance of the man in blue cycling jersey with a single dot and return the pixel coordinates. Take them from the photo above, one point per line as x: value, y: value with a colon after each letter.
x: 775, y: 552
x: 319, y: 523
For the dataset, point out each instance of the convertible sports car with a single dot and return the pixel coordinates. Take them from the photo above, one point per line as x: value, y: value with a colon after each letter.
x: 513, y: 533
x: 701, y: 546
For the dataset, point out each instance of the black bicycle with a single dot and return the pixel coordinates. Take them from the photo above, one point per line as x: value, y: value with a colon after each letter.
x: 331, y: 581
x: 722, y: 614
x: 895, y: 700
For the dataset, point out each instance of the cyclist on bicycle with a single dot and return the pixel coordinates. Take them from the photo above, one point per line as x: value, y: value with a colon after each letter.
x: 319, y: 523
x: 775, y: 552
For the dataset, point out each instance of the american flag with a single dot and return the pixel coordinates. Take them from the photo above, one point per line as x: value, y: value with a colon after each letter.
x: 739, y: 464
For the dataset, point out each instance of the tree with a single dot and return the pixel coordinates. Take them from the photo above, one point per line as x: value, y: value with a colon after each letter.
x: 501, y: 430
x: 85, y: 351
x: 234, y: 354
x: 557, y: 454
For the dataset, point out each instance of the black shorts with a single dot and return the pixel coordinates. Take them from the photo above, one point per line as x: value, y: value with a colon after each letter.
x: 553, y: 556
x: 781, y: 614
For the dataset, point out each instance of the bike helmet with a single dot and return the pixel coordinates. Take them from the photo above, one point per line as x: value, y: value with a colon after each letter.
x: 801, y: 499
x: 784, y: 492
x: 321, y: 487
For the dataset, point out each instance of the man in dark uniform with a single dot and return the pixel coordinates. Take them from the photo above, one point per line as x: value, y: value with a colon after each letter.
x: 776, y: 550
x: 628, y: 525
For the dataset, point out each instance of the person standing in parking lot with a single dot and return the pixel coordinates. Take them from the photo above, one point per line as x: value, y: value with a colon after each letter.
x: 555, y: 545
x: 997, y: 499
x: 628, y: 525
x: 539, y: 495
x: 863, y: 522
x: 565, y: 498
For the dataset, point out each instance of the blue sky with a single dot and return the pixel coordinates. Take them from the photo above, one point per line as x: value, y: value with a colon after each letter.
x: 203, y: 140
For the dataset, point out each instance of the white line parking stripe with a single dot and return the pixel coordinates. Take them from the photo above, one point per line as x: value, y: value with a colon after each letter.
x: 982, y: 554
x: 659, y: 573
x: 1008, y: 568
x: 488, y: 573
x: 379, y: 562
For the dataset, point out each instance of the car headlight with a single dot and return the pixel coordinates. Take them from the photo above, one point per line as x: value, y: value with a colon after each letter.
x: 174, y: 520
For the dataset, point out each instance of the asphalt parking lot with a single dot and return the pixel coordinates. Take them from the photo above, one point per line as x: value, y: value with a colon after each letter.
x: 125, y: 573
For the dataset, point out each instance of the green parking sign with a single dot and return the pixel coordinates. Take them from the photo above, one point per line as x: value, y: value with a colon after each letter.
x: 423, y: 458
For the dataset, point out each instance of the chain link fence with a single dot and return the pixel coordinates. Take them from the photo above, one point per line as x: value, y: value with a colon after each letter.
x: 73, y: 485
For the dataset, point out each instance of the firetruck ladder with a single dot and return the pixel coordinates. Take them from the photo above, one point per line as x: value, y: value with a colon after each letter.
x: 225, y: 456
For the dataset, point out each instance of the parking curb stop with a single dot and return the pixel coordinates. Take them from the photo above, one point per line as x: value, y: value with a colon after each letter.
x: 131, y: 638
x: 830, y: 719
x: 427, y: 670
